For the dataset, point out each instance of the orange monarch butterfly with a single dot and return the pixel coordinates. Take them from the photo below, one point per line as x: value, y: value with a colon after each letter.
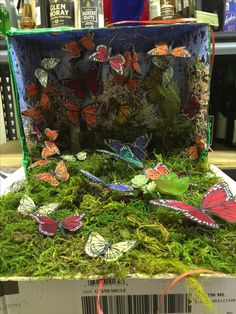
x: 39, y: 163
x: 44, y: 101
x: 55, y: 177
x: 162, y: 49
x: 31, y: 90
x: 33, y: 113
x: 51, y: 134
x: 154, y: 173
x: 131, y: 61
x: 50, y: 149
x: 194, y: 150
x: 76, y: 47
x: 130, y: 83
x: 88, y: 113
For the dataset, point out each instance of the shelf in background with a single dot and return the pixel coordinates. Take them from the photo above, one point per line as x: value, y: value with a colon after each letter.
x: 225, y: 45
x: 10, y: 156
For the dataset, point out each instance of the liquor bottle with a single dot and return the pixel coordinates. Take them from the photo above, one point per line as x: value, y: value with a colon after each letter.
x: 154, y: 9
x: 5, y: 24
x: 167, y: 9
x: 61, y: 13
x: 186, y: 8
x: 91, y: 14
x: 28, y: 18
x: 178, y: 7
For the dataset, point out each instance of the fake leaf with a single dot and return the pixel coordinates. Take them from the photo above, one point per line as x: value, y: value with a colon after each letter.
x: 171, y: 184
x: 139, y: 181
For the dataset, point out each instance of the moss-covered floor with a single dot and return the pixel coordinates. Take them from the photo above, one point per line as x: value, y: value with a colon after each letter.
x: 167, y: 241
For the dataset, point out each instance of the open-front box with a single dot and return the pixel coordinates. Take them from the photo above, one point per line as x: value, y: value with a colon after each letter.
x: 115, y: 136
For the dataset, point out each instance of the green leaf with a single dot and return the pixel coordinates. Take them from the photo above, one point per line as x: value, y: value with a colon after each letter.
x: 171, y: 184
x: 139, y: 181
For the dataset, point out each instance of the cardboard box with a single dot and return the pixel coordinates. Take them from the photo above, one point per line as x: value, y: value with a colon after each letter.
x: 131, y: 296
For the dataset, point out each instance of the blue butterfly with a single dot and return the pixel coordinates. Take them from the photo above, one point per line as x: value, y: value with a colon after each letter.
x: 137, y: 148
x: 112, y: 186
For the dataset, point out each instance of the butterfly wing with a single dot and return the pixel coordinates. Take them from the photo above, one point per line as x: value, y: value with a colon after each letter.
x: 119, y: 187
x: 135, y: 63
x: 101, y: 54
x: 117, y: 62
x: 115, y: 145
x: 50, y: 149
x: 115, y: 251
x: 39, y: 163
x: 89, y: 114
x: 31, y: 90
x: 27, y: 205
x: 142, y: 141
x: 180, y: 52
x: 42, y: 76
x: 122, y: 112
x: 154, y: 173
x: 50, y: 63
x: 47, y: 225
x: 128, y: 59
x: 48, y: 177
x: 44, y: 101
x: 61, y: 171
x: 92, y: 177
x: 72, y: 223
x: 187, y: 210
x: 192, y: 151
x: 127, y: 155
x: 51, y: 134
x: 95, y: 245
x: 72, y: 112
x: 33, y: 113
x: 73, y: 49
x: 47, y: 209
x: 93, y: 83
x: 219, y: 201
x: 161, y: 49
x: 87, y: 41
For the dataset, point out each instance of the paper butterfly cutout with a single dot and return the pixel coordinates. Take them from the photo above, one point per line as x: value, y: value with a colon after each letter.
x: 131, y: 61
x: 55, y: 177
x: 98, y: 246
x: 125, y: 154
x: 27, y: 207
x: 75, y: 48
x: 88, y: 82
x: 102, y: 54
x: 137, y: 148
x: 40, y: 162
x: 87, y: 113
x: 81, y: 156
x: 122, y: 80
x: 52, y: 135
x: 42, y: 74
x: 154, y: 173
x: 194, y: 150
x: 44, y: 101
x: 49, y: 226
x: 31, y: 90
x: 218, y: 201
x: 49, y: 150
x: 119, y: 112
x: 162, y: 49
x: 111, y: 186
x: 33, y: 113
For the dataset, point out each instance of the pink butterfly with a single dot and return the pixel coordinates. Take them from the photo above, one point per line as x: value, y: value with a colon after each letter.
x: 49, y: 226
x: 102, y: 54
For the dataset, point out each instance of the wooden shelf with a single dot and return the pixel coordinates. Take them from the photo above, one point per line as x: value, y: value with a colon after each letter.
x: 10, y: 156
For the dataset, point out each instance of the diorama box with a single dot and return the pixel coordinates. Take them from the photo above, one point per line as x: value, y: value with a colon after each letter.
x: 117, y: 83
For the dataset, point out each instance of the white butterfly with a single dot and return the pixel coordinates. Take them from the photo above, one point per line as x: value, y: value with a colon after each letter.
x: 28, y: 207
x: 97, y: 245
x: 42, y: 74
x: 81, y: 156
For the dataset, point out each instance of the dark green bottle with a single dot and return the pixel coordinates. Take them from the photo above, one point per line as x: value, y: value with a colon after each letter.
x: 5, y: 23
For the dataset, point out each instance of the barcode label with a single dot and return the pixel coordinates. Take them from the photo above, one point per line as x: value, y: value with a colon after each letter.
x: 137, y: 304
x: 107, y: 282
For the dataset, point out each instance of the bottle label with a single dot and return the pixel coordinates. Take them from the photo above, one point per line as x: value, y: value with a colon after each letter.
x: 154, y: 8
x: 62, y: 13
x: 89, y: 13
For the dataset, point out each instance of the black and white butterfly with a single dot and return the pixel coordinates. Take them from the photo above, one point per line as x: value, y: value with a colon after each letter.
x: 28, y: 207
x: 42, y: 73
x: 97, y: 246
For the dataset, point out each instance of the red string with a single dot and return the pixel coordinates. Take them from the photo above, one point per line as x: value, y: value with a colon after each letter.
x: 213, y: 49
x: 173, y: 282
x: 100, y: 286
x: 173, y: 21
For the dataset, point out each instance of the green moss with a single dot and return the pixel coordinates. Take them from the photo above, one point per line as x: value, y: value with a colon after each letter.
x: 168, y: 242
